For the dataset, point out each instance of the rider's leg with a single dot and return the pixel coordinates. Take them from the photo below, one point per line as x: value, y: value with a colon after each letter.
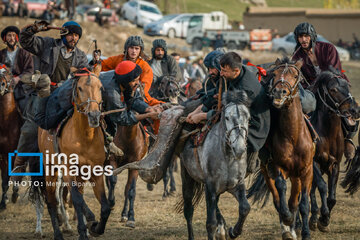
x: 307, y: 99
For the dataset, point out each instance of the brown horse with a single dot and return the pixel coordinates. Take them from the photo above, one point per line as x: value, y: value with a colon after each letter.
x: 81, y: 140
x: 291, y: 148
x: 133, y: 141
x: 334, y: 102
x: 10, y: 124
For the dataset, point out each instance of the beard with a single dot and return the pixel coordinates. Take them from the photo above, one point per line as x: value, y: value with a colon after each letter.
x: 11, y: 46
x: 159, y: 57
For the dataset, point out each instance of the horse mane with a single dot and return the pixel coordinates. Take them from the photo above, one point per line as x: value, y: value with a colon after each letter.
x: 237, y: 97
x: 324, y: 77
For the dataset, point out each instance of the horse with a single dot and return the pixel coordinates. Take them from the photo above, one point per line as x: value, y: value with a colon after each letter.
x: 218, y: 171
x: 291, y: 147
x: 133, y: 141
x: 11, y: 122
x: 80, y: 135
x: 334, y: 102
x: 193, y: 85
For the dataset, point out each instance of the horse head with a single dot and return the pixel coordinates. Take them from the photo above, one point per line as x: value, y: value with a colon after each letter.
x: 5, y: 80
x: 283, y: 83
x: 168, y: 89
x: 87, y: 94
x: 194, y: 85
x: 235, y: 118
x: 333, y: 91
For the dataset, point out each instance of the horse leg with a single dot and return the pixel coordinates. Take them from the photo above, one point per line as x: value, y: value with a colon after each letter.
x: 211, y: 222
x: 324, y: 219
x: 286, y: 216
x: 221, y: 224
x: 39, y: 208
x: 5, y: 183
x: 314, y: 206
x: 78, y: 202
x: 98, y: 228
x: 15, y: 188
x: 294, y: 203
x: 63, y: 212
x: 110, y: 183
x: 244, y: 209
x: 52, y: 209
x: 172, y: 178
x: 188, y: 191
x: 132, y: 178
x: 304, y: 207
x: 166, y: 180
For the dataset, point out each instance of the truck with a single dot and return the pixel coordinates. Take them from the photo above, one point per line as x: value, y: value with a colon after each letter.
x: 212, y: 24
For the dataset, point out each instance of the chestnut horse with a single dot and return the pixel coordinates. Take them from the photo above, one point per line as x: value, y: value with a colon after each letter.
x: 291, y: 148
x: 334, y: 102
x: 83, y: 136
x: 10, y: 124
x: 133, y: 141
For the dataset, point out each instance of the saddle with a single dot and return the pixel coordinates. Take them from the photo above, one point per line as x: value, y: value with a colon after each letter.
x: 200, y: 133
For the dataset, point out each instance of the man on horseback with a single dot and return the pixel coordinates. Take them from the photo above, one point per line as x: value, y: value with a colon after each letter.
x: 133, y: 51
x: 163, y: 64
x: 53, y: 59
x: 19, y: 60
x: 317, y: 57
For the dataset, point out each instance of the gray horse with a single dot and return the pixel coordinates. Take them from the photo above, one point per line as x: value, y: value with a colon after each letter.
x: 219, y: 165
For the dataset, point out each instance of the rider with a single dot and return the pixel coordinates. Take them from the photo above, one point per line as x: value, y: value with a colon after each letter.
x: 125, y: 82
x: 317, y: 57
x: 18, y: 59
x: 133, y: 51
x: 53, y: 59
x: 163, y: 64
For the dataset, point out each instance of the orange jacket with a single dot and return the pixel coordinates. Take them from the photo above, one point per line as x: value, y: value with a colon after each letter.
x: 146, y: 77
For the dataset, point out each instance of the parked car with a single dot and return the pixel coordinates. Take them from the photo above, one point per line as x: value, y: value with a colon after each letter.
x: 174, y: 25
x: 287, y: 44
x: 35, y: 8
x: 110, y: 15
x: 140, y: 12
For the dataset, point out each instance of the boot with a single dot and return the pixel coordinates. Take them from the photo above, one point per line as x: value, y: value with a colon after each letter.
x: 184, y: 135
x: 252, y: 162
x: 39, y: 82
x: 19, y: 167
x: 349, y: 151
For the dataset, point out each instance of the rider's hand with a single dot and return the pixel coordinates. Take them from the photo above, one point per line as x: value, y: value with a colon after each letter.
x: 154, y: 115
x: 16, y: 79
x: 39, y: 26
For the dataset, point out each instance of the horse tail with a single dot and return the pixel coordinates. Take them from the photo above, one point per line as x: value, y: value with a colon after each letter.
x: 37, y: 188
x: 197, y: 197
x: 259, y: 190
x: 351, y: 181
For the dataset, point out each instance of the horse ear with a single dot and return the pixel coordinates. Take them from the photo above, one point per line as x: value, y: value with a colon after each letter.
x: 277, y: 62
x: 97, y: 70
x: 299, y: 63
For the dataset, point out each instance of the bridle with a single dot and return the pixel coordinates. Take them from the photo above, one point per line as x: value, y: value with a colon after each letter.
x: 79, y: 107
x: 8, y: 83
x: 236, y: 127
x: 337, y: 105
x: 169, y: 81
x: 292, y: 89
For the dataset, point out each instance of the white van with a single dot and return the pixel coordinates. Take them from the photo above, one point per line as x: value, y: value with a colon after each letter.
x: 173, y: 25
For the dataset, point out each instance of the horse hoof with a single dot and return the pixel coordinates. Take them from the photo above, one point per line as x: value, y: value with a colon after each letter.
x: 2, y: 206
x: 90, y: 226
x: 123, y: 219
x: 322, y: 227
x: 39, y: 235
x: 287, y: 236
x: 312, y: 225
x: 306, y: 238
x: 130, y: 224
x: 172, y: 193
x: 112, y: 205
x: 150, y: 187
x: 231, y: 233
x: 14, y: 197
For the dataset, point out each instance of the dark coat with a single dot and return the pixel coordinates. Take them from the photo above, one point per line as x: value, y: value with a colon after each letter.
x: 23, y: 62
x: 259, y: 124
x: 47, y: 50
x: 169, y: 67
x: 326, y: 55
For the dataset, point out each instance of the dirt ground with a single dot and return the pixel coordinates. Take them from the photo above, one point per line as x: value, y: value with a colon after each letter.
x: 156, y: 218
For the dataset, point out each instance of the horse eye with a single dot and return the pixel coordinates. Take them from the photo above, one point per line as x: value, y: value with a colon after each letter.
x: 334, y: 90
x: 80, y: 89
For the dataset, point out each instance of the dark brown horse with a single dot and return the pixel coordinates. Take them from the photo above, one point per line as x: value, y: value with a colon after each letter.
x: 10, y: 124
x: 132, y: 140
x: 334, y: 102
x: 291, y: 148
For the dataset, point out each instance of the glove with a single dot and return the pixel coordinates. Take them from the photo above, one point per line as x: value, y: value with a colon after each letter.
x: 39, y: 26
